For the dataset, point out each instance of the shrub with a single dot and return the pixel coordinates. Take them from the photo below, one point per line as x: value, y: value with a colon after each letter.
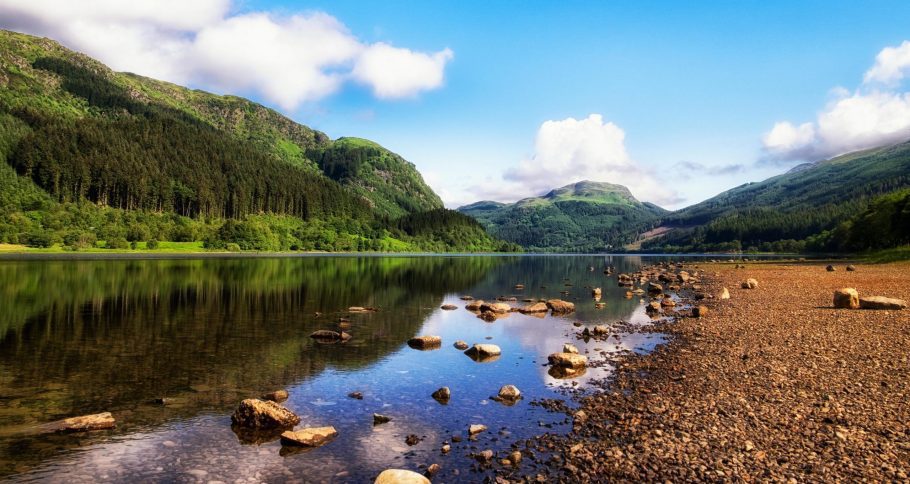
x: 232, y: 247
x: 151, y: 244
x: 79, y: 240
x: 39, y: 238
x: 117, y: 243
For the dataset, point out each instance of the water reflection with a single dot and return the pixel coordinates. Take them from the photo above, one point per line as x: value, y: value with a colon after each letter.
x: 80, y: 337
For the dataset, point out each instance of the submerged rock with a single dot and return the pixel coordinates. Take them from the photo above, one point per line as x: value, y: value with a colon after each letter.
x: 448, y: 307
x: 276, y: 396
x: 380, y: 419
x: 84, y: 423
x: 309, y: 437
x: 846, y: 298
x: 880, y: 302
x: 425, y: 342
x: 325, y: 335
x: 461, y: 345
x: 263, y: 414
x: 400, y: 476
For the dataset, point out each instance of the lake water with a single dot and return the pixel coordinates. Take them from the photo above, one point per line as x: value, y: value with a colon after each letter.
x: 87, y: 336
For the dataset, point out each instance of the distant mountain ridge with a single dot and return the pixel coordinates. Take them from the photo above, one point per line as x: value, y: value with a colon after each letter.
x: 579, y: 217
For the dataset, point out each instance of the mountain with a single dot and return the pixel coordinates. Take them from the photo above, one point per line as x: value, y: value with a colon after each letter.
x: 140, y: 150
x: 782, y: 210
x: 581, y: 217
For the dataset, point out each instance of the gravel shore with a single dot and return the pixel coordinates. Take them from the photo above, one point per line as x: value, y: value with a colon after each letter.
x: 773, y: 384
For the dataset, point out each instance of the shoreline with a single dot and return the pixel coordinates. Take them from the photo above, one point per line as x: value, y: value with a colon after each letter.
x: 774, y: 384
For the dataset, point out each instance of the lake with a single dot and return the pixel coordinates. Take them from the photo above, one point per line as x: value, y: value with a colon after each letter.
x: 80, y: 337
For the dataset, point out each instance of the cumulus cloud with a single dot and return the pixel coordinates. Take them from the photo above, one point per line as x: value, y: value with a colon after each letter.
x: 875, y: 114
x: 287, y: 59
x: 891, y: 65
x: 571, y: 150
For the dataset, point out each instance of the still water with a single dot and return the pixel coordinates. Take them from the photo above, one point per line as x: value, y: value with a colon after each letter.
x: 80, y: 337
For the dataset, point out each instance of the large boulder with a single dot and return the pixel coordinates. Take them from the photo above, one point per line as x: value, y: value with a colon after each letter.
x: 568, y: 360
x: 400, y: 476
x: 846, y: 298
x: 558, y: 306
x: 263, y: 414
x: 425, y: 342
x: 880, y: 302
x: 308, y: 437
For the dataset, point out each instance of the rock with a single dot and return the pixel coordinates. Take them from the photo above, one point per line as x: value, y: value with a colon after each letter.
x: 534, y: 308
x: 400, y: 476
x: 483, y: 352
x: 446, y: 448
x: 356, y: 395
x: 509, y: 392
x: 161, y: 401
x: 498, y: 308
x: 667, y: 302
x: 830, y: 268
x: 624, y: 280
x: 846, y: 298
x: 442, y: 395
x: 851, y: 268
x: 475, y: 429
x: 558, y: 306
x: 749, y: 284
x: 596, y: 292
x: 277, y: 396
x: 461, y: 345
x: 654, y: 288
x: 327, y: 335
x: 568, y: 360
x: 700, y: 311
x: 880, y: 302
x: 653, y: 307
x: 485, y: 456
x: 432, y: 469
x: 600, y: 305
x: 263, y: 414
x: 488, y: 316
x: 309, y: 437
x: 599, y: 330
x: 466, y: 298
x: 412, y: 440
x: 84, y: 423
x: 425, y: 342
x: 683, y: 277
x: 358, y: 309
x: 380, y: 419
x: 515, y: 458
x: 569, y: 348
x: 724, y: 294
x: 448, y: 307
x: 474, y: 305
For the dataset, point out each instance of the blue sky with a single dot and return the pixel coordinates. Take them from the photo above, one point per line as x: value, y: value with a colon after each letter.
x: 692, y: 89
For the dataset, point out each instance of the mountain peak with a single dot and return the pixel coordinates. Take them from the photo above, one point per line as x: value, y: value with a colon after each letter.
x: 587, y: 189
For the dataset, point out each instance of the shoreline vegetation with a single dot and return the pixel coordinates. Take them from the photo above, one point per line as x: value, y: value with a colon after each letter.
x: 773, y: 383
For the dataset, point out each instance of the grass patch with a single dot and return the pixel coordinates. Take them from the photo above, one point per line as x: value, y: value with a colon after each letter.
x: 889, y: 255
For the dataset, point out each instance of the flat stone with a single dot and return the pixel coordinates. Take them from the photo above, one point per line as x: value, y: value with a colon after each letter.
x: 448, y: 307
x: 499, y: 308
x: 568, y: 360
x: 309, y: 437
x: 425, y: 342
x: 84, y: 423
x: 881, y: 302
x: 539, y: 307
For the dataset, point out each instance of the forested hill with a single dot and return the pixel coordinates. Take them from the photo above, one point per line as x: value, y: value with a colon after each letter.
x: 788, y: 211
x: 73, y: 131
x: 582, y: 217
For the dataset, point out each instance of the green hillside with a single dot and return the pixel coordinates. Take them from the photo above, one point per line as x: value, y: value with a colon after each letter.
x: 582, y: 217
x: 782, y: 211
x: 90, y: 154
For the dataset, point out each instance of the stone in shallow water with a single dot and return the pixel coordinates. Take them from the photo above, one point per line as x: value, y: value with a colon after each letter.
x: 309, y: 437
x: 558, y: 306
x: 425, y: 342
x: 98, y: 421
x: 483, y: 352
x: 263, y: 414
x: 442, y: 395
x: 276, y: 396
x: 476, y: 429
x: 568, y: 360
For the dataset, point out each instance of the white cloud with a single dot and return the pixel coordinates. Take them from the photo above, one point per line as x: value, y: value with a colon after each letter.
x: 394, y: 72
x: 873, y: 115
x: 891, y: 65
x: 572, y: 150
x: 288, y: 59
